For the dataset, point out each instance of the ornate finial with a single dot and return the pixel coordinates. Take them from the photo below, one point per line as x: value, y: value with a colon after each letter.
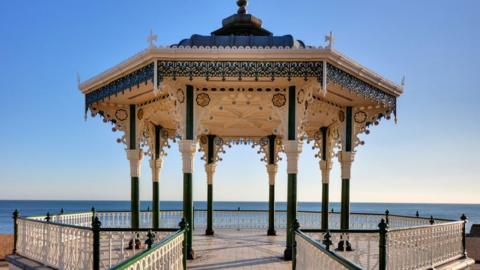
x: 151, y: 39
x: 242, y: 4
x: 330, y: 39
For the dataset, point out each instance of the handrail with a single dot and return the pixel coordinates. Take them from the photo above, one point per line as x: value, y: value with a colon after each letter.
x: 424, y: 226
x: 125, y: 264
x: 55, y: 223
x: 339, y: 231
x: 344, y: 262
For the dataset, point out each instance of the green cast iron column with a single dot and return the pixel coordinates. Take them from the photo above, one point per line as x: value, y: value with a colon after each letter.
x: 134, y: 186
x: 155, y: 183
x: 345, y: 204
x: 292, y: 175
x: 210, y: 162
x: 325, y: 184
x: 271, y: 188
x: 187, y: 175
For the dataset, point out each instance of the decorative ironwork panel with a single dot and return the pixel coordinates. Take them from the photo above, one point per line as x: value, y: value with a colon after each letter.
x: 424, y: 247
x: 118, y: 246
x: 358, y: 86
x: 55, y: 245
x: 311, y: 257
x: 128, y: 81
x: 360, y: 247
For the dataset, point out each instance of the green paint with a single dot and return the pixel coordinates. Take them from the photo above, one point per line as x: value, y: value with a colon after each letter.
x: 133, y: 127
x: 158, y: 130
x: 188, y: 210
x: 156, y: 205
x: 134, y: 190
x: 348, y: 130
x: 291, y: 213
x: 292, y: 101
x: 271, y: 210
x: 345, y: 205
x: 210, y: 149
x: 209, y: 230
x: 189, y: 113
x: 382, y: 245
x: 271, y: 149
x: 325, y: 200
x: 135, y: 203
x: 155, y: 185
x: 325, y: 186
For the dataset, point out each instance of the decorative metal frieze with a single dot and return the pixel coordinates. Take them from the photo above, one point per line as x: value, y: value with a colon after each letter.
x: 358, y: 86
x: 240, y: 70
x: 128, y: 81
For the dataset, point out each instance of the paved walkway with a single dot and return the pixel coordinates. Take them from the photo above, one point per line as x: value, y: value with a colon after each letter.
x: 239, y: 250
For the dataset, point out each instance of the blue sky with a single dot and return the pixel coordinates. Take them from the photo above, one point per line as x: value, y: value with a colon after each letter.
x: 49, y: 152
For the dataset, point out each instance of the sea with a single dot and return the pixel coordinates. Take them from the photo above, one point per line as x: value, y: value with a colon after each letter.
x: 41, y: 207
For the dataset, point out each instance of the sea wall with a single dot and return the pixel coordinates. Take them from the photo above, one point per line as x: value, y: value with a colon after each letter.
x: 6, y: 245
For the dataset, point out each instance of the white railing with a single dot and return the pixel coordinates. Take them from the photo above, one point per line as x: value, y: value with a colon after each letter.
x: 118, y: 246
x: 55, y: 245
x: 357, y: 246
x: 238, y: 219
x: 425, y: 247
x: 311, y: 255
x: 165, y: 255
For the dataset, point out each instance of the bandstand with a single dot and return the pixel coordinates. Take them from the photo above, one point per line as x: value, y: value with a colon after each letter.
x: 244, y: 85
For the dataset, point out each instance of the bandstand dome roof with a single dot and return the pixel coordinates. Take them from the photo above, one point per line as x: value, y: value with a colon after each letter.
x: 241, y: 30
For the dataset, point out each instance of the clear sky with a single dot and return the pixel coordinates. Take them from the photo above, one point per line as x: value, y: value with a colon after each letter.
x: 48, y: 151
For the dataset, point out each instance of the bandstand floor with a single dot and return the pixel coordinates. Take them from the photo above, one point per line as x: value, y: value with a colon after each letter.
x: 231, y: 249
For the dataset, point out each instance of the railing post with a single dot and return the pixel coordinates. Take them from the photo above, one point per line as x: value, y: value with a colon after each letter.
x: 417, y: 214
x: 184, y: 226
x: 150, y: 239
x: 15, y: 230
x: 432, y: 221
x: 387, y: 213
x: 96, y: 224
x: 93, y: 214
x: 238, y: 219
x: 464, y: 243
x: 327, y: 240
x: 295, y: 228
x: 382, y: 248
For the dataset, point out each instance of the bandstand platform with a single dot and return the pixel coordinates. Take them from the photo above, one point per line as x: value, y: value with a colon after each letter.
x: 239, y: 85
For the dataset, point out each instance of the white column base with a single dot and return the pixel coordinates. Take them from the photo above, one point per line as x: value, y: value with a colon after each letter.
x: 135, y: 156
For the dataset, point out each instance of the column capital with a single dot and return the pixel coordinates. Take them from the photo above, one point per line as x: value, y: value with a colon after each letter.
x: 272, y: 172
x: 187, y: 149
x: 346, y: 158
x: 135, y: 156
x: 292, y: 150
x: 156, y: 166
x: 325, y: 168
x: 210, y: 170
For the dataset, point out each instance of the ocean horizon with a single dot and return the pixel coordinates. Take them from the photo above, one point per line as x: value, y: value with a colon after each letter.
x: 39, y: 207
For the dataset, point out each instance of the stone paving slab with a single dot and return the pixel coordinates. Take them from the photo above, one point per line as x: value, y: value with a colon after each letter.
x: 239, y: 250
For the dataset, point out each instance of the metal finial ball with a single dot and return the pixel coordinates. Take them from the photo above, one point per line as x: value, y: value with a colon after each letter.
x: 242, y: 6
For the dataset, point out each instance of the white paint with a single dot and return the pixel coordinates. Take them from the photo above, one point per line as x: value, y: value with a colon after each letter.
x: 135, y: 156
x: 210, y: 170
x: 272, y: 173
x: 187, y: 149
x: 346, y: 158
x: 156, y: 166
x: 292, y: 150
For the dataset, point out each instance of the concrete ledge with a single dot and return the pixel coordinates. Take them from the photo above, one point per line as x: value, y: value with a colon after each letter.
x: 459, y: 264
x: 473, y: 248
x: 16, y: 262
